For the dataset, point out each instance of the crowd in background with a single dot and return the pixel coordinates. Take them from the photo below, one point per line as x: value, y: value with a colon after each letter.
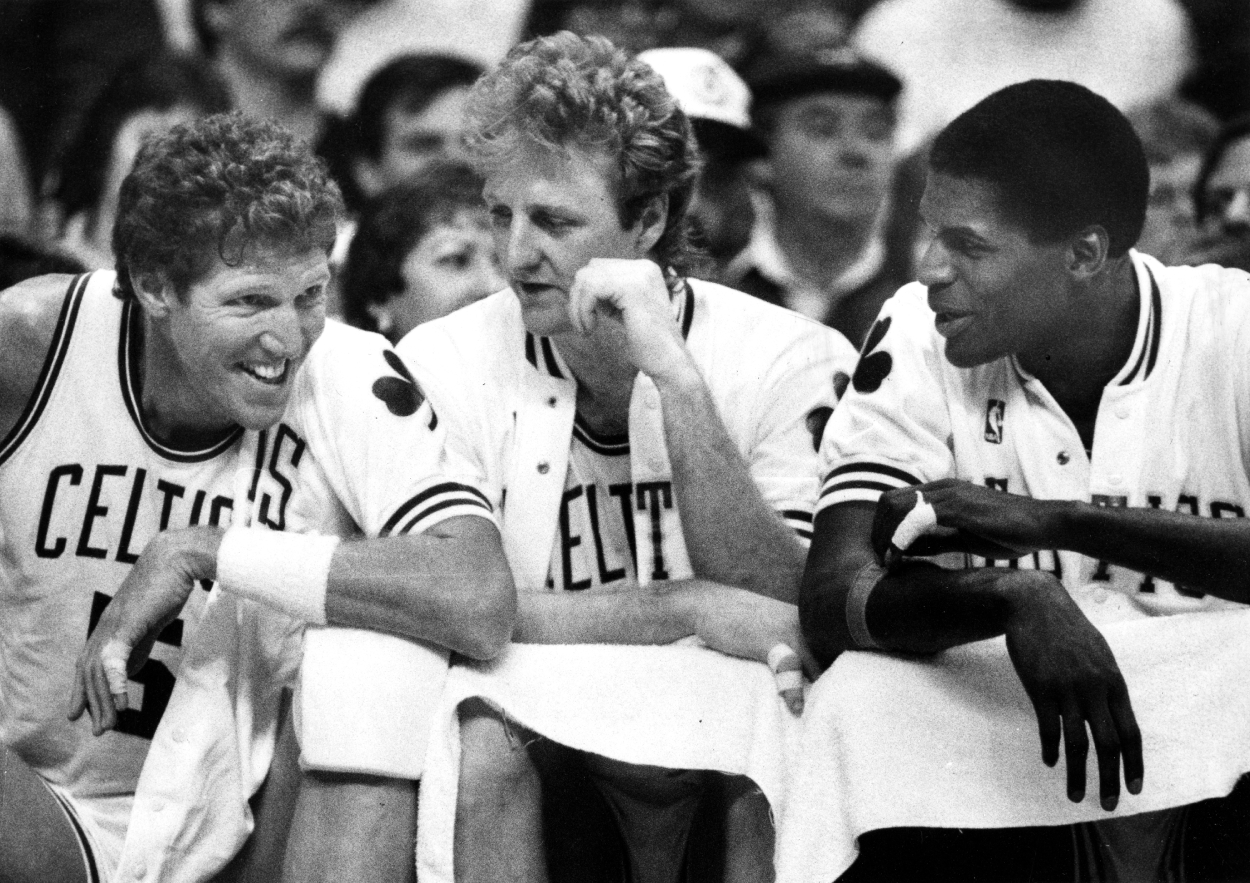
x: 813, y: 116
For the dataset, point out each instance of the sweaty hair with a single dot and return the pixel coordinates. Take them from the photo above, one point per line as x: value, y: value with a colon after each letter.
x: 564, y: 93
x: 393, y: 224
x: 213, y: 188
x: 410, y: 83
x: 1060, y: 157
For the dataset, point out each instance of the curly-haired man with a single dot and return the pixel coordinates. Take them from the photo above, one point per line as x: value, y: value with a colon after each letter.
x: 125, y: 422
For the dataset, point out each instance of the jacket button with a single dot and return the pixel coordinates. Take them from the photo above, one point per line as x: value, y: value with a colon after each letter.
x: 551, y: 402
x: 1063, y: 458
x: 544, y: 467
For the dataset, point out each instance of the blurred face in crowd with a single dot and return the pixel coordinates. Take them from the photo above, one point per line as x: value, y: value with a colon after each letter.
x: 235, y: 339
x: 412, y: 139
x: 831, y: 156
x: 452, y: 266
x: 1170, y: 221
x: 721, y: 209
x: 551, y: 213
x: 291, y: 39
x: 1227, y: 192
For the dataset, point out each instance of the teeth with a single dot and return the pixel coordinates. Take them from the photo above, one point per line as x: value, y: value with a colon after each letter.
x: 265, y: 371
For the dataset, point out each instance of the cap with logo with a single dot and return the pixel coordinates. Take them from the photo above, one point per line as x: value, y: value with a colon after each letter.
x: 780, y: 77
x: 715, y: 98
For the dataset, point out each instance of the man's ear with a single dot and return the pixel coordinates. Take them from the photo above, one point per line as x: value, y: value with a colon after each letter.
x: 651, y: 223
x: 1087, y: 254
x: 154, y: 293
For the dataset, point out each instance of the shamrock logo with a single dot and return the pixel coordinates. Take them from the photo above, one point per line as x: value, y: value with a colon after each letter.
x: 873, y: 367
x: 401, y: 395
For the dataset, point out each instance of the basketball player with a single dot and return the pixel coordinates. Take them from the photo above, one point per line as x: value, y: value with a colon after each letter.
x: 641, y: 432
x: 123, y: 417
x: 1068, y: 407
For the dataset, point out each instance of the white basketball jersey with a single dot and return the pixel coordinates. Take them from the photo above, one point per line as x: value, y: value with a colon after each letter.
x: 84, y: 485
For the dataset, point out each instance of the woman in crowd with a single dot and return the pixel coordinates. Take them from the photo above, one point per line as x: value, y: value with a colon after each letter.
x: 422, y: 250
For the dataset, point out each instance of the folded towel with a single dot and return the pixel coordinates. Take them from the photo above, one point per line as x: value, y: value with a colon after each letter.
x: 952, y: 741
x: 681, y: 707
x: 347, y: 678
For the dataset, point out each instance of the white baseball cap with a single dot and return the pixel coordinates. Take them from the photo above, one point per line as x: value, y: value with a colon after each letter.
x: 704, y: 85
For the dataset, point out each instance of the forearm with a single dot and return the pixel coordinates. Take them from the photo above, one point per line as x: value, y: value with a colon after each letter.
x: 732, y: 535
x: 660, y: 613
x: 450, y: 585
x: 1211, y: 555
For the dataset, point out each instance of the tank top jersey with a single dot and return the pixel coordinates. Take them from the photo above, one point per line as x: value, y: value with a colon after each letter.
x: 83, y: 487
x: 595, y: 546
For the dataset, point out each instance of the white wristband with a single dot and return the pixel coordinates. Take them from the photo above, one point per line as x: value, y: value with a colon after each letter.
x: 286, y: 571
x: 857, y: 606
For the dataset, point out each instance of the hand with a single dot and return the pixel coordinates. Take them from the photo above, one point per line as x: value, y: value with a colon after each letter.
x: 974, y: 519
x: 630, y: 298
x: 1073, y: 680
x: 741, y: 623
x: 149, y: 598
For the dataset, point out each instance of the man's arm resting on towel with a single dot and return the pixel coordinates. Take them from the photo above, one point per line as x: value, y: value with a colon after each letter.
x: 1210, y: 555
x: 734, y: 621
x: 449, y: 585
x: 1063, y: 662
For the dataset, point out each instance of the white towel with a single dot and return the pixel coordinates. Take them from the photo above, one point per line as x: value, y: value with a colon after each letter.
x: 682, y: 707
x: 365, y: 701
x: 952, y: 741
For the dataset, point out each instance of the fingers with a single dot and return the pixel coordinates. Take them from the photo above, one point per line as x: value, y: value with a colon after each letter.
x: 78, y: 693
x: 1107, y: 749
x: 1048, y: 729
x: 1125, y: 723
x: 1076, y: 750
x: 787, y: 670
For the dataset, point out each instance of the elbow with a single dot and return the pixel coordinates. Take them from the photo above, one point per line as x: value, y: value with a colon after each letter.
x: 490, y: 621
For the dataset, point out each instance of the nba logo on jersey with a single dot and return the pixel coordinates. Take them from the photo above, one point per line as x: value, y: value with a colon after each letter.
x: 994, y: 421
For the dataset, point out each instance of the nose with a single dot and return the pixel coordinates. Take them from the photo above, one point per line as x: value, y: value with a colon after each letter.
x: 285, y: 333
x: 521, y: 249
x: 935, y: 268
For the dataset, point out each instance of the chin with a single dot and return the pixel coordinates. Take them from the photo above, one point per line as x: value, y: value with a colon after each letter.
x: 546, y: 321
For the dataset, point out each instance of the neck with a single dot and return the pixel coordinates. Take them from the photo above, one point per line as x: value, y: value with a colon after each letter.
x: 291, y: 102
x: 820, y: 249
x: 1094, y: 342
x: 172, y: 410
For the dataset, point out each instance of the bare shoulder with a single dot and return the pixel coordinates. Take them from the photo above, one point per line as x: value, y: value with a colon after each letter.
x: 28, y: 319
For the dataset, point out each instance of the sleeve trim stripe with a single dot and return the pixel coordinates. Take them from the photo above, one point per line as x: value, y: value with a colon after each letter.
x: 471, y: 506
x: 799, y: 515
x: 857, y: 495
x: 878, y: 469
x: 804, y: 534
x: 863, y: 484
x: 448, y: 487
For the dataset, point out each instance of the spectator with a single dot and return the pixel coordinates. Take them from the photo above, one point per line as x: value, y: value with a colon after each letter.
x: 408, y: 113
x: 952, y: 53
x: 147, y: 96
x: 1222, y: 198
x: 16, y: 199
x: 718, y: 104
x: 421, y: 250
x: 819, y: 243
x: 1176, y: 134
x: 270, y: 54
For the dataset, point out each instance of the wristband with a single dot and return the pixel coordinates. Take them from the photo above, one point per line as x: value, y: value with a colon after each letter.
x: 857, y: 606
x: 919, y: 521
x: 286, y: 571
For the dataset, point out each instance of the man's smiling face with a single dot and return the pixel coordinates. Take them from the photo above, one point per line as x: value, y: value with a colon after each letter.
x: 995, y: 289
